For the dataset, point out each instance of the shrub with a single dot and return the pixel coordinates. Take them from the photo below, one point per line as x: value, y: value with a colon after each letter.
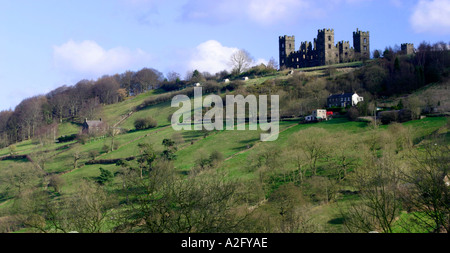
x: 396, y: 116
x: 352, y: 114
x: 405, y: 115
x: 105, y: 148
x: 67, y: 138
x: 82, y: 138
x: 216, y: 157
x: 145, y: 123
x: 93, y: 154
x: 105, y: 176
x: 388, y: 117
x: 234, y: 85
x: 56, y: 182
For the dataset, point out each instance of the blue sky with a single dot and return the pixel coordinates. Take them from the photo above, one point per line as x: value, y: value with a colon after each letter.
x: 49, y: 43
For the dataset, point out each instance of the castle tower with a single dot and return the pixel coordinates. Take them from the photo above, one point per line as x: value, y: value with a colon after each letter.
x: 345, y: 51
x: 361, y: 43
x: 407, y: 48
x: 286, y: 47
x: 326, y: 50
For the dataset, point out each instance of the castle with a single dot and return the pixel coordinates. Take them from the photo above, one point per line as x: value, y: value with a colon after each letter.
x: 324, y: 51
x: 407, y: 48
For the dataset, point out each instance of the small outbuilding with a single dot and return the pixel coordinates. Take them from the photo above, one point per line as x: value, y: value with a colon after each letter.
x: 93, y: 126
x: 318, y: 115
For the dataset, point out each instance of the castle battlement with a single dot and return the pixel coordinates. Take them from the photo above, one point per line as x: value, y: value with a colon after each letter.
x: 287, y: 37
x: 361, y: 33
x: 326, y: 30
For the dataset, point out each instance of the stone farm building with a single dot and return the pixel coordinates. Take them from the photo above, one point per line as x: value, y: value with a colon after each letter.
x: 93, y: 126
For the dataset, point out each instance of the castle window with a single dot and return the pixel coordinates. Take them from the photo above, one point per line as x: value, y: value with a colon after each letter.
x: 365, y: 40
x: 282, y: 45
x: 289, y: 46
x: 329, y: 38
x: 329, y: 46
x: 365, y: 48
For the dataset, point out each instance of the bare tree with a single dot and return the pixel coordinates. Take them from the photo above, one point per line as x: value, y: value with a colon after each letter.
x: 91, y: 109
x: 272, y: 64
x: 314, y: 144
x: 126, y: 80
x: 29, y: 113
x: 165, y: 202
x: 173, y: 76
x: 240, y: 61
x: 428, y: 193
x: 378, y: 182
x: 56, y: 182
x: 344, y: 156
x: 77, y: 155
x: 146, y: 79
x: 84, y: 211
x: 18, y: 178
x: 89, y: 207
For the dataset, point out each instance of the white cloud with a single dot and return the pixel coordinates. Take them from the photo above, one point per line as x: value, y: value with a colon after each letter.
x: 211, y: 56
x: 90, y: 59
x: 431, y: 16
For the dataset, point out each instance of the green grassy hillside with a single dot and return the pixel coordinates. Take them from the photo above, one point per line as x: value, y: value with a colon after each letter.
x: 242, y: 151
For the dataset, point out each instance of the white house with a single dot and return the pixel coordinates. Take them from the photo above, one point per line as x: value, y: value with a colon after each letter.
x: 344, y: 100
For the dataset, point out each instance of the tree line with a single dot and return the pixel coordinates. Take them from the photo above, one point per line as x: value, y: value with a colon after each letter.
x: 36, y: 116
x: 33, y: 116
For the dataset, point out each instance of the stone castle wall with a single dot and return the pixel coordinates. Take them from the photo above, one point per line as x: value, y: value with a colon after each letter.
x: 323, y: 51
